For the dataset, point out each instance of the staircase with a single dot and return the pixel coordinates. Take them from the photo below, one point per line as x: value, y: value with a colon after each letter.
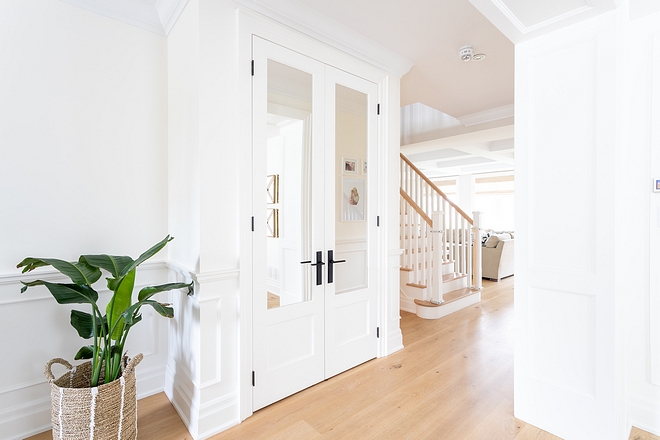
x: 441, y: 260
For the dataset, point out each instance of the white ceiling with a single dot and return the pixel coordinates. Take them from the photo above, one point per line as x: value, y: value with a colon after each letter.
x: 443, y: 94
x: 418, y: 39
x: 430, y: 33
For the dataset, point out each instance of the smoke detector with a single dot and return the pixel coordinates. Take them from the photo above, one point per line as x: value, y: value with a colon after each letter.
x: 466, y: 53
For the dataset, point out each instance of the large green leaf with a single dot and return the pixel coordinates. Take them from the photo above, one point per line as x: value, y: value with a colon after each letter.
x: 150, y: 291
x: 80, y: 272
x: 31, y: 284
x: 112, y: 263
x: 113, y: 283
x: 132, y: 319
x: 131, y: 316
x: 121, y: 300
x: 68, y: 293
x: 30, y: 263
x: 162, y: 309
x: 147, y: 254
x: 84, y: 324
x: 86, y: 352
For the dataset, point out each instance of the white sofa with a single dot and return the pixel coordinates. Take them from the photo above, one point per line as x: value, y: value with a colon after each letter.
x: 497, y: 256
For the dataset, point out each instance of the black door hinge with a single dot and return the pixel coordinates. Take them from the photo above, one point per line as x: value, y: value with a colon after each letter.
x: 252, y: 224
x: 252, y: 67
x: 378, y: 220
x: 378, y: 332
x: 377, y: 108
x: 253, y: 379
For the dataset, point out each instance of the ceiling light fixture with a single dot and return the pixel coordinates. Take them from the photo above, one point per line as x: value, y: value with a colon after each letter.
x: 466, y: 53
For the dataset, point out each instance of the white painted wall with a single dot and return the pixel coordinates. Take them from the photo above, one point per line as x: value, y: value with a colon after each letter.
x: 83, y: 132
x: 640, y: 212
x: 617, y: 120
x: 202, y: 373
x: 568, y: 374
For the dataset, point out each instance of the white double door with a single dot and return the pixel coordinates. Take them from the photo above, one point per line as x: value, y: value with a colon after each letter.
x: 314, y: 240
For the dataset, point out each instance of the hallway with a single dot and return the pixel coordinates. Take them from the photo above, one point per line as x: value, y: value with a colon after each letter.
x: 454, y: 379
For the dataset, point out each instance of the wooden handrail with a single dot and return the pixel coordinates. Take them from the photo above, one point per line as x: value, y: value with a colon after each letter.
x: 436, y: 189
x: 419, y: 210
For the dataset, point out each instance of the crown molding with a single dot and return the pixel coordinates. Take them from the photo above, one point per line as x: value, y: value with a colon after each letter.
x: 513, y: 26
x: 492, y: 114
x: 158, y: 16
x: 308, y: 21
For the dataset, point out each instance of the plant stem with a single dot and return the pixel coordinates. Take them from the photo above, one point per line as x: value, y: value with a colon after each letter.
x: 120, y: 346
x: 97, y: 361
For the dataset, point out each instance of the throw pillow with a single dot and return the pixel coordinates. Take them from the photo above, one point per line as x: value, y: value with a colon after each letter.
x: 492, y: 241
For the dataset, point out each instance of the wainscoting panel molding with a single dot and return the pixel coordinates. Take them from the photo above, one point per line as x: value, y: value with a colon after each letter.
x: 202, y: 368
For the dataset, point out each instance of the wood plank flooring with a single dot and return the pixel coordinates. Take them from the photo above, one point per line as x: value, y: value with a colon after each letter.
x: 453, y: 380
x: 638, y: 434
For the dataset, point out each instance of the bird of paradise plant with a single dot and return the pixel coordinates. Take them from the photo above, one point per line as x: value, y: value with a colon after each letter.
x: 108, y: 332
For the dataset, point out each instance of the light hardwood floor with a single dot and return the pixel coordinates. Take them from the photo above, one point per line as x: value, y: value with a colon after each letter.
x: 453, y: 380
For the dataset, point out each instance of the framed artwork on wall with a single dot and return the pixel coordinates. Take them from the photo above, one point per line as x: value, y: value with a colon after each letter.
x: 353, y: 199
x: 363, y: 162
x: 273, y: 189
x: 273, y: 223
x: 349, y: 166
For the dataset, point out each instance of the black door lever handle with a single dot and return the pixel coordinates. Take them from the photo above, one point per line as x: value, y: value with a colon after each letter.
x: 331, y: 262
x: 319, y: 268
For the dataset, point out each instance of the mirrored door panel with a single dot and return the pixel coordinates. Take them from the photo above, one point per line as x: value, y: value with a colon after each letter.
x: 288, y: 185
x: 351, y: 212
x: 288, y: 304
x: 351, y: 235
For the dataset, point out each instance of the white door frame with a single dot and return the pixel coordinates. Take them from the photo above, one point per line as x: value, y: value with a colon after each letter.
x: 250, y: 23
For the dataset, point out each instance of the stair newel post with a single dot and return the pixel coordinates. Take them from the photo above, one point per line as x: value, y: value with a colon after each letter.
x: 476, y: 245
x: 438, y: 245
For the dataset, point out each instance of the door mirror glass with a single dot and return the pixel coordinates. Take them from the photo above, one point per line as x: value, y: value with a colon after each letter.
x: 350, y: 189
x: 288, y: 183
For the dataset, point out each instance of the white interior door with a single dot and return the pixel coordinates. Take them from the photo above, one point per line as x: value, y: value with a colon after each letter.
x: 314, y: 303
x: 350, y: 299
x: 288, y: 303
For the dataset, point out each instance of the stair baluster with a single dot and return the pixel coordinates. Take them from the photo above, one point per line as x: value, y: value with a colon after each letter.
x: 461, y: 234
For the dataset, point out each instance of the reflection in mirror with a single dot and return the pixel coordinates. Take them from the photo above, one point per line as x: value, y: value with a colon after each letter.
x: 351, y: 189
x: 287, y: 184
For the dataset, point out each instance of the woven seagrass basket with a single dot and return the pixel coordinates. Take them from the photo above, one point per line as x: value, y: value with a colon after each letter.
x: 78, y: 411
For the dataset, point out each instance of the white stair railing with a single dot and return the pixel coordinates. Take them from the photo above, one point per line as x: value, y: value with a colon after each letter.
x: 462, y: 236
x: 437, y: 233
x: 416, y: 241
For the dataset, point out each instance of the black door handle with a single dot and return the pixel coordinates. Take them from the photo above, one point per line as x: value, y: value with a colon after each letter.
x: 319, y: 268
x: 331, y: 262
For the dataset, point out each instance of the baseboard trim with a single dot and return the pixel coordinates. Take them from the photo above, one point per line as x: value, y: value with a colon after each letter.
x: 28, y: 419
x: 407, y: 304
x: 150, y: 381
x: 201, y: 419
x: 222, y: 408
x: 643, y: 414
